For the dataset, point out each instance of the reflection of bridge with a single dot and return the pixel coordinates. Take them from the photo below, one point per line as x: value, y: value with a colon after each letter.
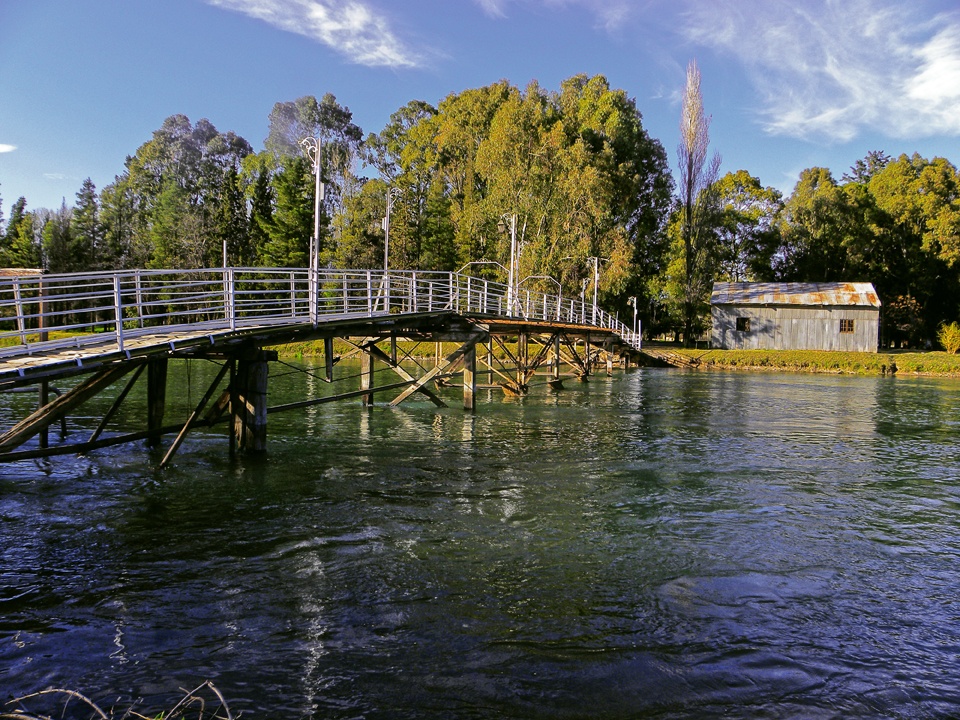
x: 106, y: 325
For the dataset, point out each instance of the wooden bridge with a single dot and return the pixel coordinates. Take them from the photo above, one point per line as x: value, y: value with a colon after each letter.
x: 113, y: 324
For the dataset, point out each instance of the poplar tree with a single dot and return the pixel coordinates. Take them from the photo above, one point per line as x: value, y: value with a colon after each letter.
x: 697, y: 202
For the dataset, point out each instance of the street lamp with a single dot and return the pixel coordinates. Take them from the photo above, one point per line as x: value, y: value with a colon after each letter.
x: 514, y: 258
x: 482, y: 262
x: 632, y: 302
x: 314, y: 150
x: 392, y: 195
x: 596, y: 281
x: 543, y: 277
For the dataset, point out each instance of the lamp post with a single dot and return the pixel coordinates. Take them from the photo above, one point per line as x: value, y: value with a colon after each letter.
x: 313, y: 148
x: 632, y: 302
x: 514, y: 259
x: 481, y: 262
x: 596, y: 282
x: 543, y: 277
x: 392, y: 195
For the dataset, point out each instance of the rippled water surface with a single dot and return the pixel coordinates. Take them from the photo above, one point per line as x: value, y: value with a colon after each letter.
x: 660, y: 544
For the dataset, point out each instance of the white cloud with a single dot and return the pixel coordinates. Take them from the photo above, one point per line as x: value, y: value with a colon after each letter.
x: 54, y: 176
x: 7, y: 148
x: 832, y: 68
x: 351, y: 27
x: 494, y: 8
x: 611, y: 14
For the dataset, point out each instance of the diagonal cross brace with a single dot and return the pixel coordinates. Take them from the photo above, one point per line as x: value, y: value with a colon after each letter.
x: 447, y: 363
x: 30, y: 426
x: 386, y: 359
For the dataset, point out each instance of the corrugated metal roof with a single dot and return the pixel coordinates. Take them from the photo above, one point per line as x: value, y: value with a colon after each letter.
x: 817, y: 294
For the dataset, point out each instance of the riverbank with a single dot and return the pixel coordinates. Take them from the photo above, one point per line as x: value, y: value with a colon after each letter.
x: 815, y: 361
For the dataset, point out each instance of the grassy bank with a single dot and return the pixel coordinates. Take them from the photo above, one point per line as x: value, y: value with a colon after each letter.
x: 906, y: 363
x: 405, y: 348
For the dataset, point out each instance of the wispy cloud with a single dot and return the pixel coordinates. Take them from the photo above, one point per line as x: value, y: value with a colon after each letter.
x: 7, y: 148
x: 831, y: 68
x: 351, y: 27
x: 610, y: 14
x: 54, y: 176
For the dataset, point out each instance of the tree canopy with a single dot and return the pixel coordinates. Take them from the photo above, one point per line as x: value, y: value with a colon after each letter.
x: 574, y: 168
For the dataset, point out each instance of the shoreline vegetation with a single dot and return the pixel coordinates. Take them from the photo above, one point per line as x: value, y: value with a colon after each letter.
x: 884, y: 363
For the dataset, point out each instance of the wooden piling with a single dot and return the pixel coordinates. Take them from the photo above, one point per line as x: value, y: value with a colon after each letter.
x: 470, y: 379
x: 250, y: 409
x: 156, y: 396
x: 366, y: 378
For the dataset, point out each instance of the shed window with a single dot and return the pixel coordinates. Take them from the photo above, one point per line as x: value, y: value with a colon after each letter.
x: 846, y: 326
x: 743, y: 324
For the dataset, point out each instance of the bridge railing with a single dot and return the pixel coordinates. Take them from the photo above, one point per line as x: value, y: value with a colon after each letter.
x: 118, y: 307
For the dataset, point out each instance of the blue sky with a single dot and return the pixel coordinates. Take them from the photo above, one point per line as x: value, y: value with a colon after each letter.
x: 789, y: 85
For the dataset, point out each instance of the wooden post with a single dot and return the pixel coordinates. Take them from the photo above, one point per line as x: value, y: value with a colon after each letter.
x: 366, y: 378
x: 470, y: 378
x: 556, y: 358
x: 328, y: 357
x: 250, y: 409
x: 156, y: 396
x: 523, y: 360
x: 555, y: 382
x: 232, y: 403
x: 44, y: 399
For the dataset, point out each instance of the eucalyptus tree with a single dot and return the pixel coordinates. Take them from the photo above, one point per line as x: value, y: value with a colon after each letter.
x: 747, y: 235
x: 697, y: 201
x: 921, y: 201
x: 339, y: 138
x: 406, y: 156
x: 179, y: 180
x: 616, y: 187
x: 814, y: 229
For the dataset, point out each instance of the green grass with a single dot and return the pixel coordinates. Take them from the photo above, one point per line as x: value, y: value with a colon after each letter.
x: 925, y: 363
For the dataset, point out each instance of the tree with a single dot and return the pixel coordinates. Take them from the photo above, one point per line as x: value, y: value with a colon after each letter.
x: 747, y: 235
x: 259, y: 194
x: 117, y: 213
x: 87, y: 231
x: 813, y: 227
x: 697, y: 201
x: 862, y: 170
x: 58, y: 243
x: 291, y: 223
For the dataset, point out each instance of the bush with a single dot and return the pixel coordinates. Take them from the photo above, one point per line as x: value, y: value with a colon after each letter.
x: 949, y: 337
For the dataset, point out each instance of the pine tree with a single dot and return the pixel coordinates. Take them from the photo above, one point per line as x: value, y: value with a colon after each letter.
x: 87, y: 247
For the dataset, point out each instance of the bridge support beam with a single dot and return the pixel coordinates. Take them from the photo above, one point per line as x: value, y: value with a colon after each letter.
x: 156, y: 397
x: 470, y: 379
x: 250, y: 408
x: 366, y: 378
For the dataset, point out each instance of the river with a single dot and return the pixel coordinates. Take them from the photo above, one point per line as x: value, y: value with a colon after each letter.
x: 660, y: 544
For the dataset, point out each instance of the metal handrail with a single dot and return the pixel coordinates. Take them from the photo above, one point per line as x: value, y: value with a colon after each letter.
x: 128, y: 304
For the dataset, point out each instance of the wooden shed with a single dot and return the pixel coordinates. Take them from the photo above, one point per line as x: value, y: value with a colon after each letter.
x: 795, y: 316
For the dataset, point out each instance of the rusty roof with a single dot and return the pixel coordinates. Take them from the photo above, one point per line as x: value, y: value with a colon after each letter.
x: 814, y: 294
